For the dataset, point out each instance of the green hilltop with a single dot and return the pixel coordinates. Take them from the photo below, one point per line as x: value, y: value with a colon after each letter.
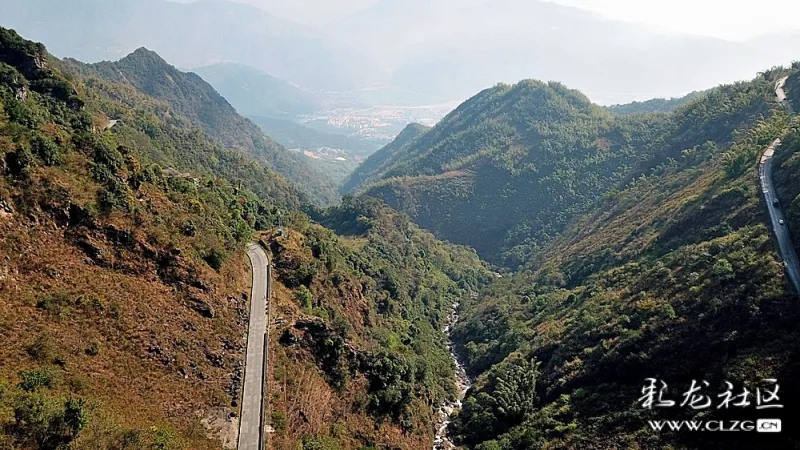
x: 124, y: 293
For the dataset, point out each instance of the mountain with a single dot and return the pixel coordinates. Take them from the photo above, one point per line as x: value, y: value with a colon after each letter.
x: 453, y: 49
x: 125, y: 287
x: 655, y: 105
x: 508, y: 170
x: 672, y: 276
x: 370, y: 170
x: 509, y: 167
x: 128, y: 295
x: 193, y: 98
x: 311, y: 12
x: 295, y: 135
x: 254, y: 93
x: 793, y: 88
x: 193, y: 34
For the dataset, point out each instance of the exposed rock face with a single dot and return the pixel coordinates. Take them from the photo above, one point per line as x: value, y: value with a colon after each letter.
x: 40, y: 61
x: 5, y: 209
x: 202, y: 307
x: 21, y: 93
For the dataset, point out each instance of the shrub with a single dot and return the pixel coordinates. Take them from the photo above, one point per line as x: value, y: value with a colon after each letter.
x: 304, y: 297
x: 93, y: 349
x: 189, y: 228
x: 34, y: 379
x: 215, y: 259
x: 319, y: 443
x: 43, y: 423
x: 55, y: 304
x: 164, y: 439
x: 19, y: 162
x: 47, y: 150
x: 116, y: 195
x: 278, y: 421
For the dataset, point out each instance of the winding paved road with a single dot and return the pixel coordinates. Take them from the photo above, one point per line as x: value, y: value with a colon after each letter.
x: 782, y: 94
x: 251, y: 423
x: 776, y: 215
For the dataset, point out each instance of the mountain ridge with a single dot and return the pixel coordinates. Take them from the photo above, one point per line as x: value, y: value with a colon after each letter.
x: 533, y: 156
x: 192, y: 97
x: 192, y: 35
x: 125, y: 290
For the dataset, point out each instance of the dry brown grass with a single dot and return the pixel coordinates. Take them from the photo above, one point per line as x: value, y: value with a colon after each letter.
x: 145, y: 337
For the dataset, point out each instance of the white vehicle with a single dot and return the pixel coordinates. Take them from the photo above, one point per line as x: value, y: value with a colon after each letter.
x: 782, y: 222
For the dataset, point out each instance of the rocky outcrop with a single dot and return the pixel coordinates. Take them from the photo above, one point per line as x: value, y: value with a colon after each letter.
x: 5, y: 209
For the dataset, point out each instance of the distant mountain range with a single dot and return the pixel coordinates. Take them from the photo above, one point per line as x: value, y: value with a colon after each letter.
x: 191, y: 35
x: 255, y: 93
x: 428, y: 51
x: 458, y: 47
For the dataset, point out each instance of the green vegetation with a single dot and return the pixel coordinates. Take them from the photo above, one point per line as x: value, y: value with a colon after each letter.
x: 372, y: 168
x: 673, y: 276
x: 44, y: 422
x: 787, y: 169
x: 409, y: 281
x: 508, y: 170
x: 149, y: 205
x: 197, y: 103
x: 792, y: 87
x: 656, y: 105
x: 111, y: 199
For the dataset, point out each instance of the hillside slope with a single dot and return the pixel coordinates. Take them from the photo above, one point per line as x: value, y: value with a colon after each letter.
x: 124, y: 285
x: 191, y: 97
x: 793, y: 88
x: 656, y: 105
x: 674, y: 276
x: 121, y: 283
x: 370, y: 170
x: 507, y: 170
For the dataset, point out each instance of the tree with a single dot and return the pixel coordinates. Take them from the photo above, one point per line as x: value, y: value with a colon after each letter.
x: 46, y: 149
x: 304, y: 297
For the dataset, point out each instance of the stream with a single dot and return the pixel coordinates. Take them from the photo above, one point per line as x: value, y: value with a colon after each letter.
x: 442, y: 442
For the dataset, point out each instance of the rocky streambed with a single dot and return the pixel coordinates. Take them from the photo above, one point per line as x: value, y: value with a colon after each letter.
x: 445, y: 413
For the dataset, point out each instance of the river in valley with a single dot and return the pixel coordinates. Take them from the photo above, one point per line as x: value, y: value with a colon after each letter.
x: 442, y: 442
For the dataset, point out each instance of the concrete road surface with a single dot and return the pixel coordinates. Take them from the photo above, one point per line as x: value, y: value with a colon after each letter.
x: 251, y: 421
x: 782, y: 94
x: 776, y: 215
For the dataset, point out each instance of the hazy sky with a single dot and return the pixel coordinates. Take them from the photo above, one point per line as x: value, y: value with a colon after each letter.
x: 727, y: 19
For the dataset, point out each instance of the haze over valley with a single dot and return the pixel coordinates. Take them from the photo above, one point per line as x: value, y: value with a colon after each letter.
x: 365, y: 69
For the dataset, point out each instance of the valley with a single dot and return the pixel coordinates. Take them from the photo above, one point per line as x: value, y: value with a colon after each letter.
x: 377, y: 227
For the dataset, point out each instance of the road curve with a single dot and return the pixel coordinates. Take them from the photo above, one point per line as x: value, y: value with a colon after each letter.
x: 251, y: 422
x: 776, y: 215
x: 782, y: 94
